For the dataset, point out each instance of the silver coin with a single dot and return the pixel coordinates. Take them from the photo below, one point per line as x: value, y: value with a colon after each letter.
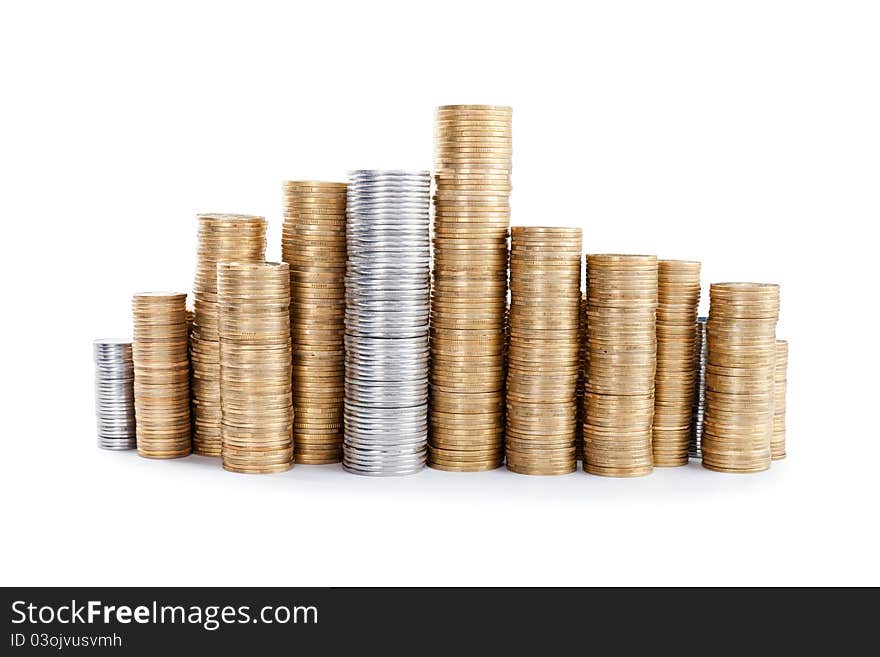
x: 399, y: 454
x: 382, y: 461
x: 384, y: 445
x: 371, y: 376
x: 388, y: 427
x: 114, y: 394
x: 400, y: 357
x: 381, y: 456
x: 383, y: 471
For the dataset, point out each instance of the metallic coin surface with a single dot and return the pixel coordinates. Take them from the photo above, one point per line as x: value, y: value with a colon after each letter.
x: 544, y: 350
x: 387, y: 306
x: 313, y: 244
x: 161, y: 375
x: 621, y: 360
x: 255, y: 367
x: 114, y: 394
x: 677, y: 359
x: 738, y: 422
x: 698, y: 408
x: 222, y: 237
x: 777, y: 439
x: 469, y: 284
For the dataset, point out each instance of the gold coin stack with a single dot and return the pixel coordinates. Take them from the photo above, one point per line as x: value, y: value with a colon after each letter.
x: 622, y: 356
x: 222, y: 238
x: 161, y: 375
x: 582, y: 376
x: 469, y: 287
x: 257, y: 407
x: 313, y: 245
x: 675, y: 380
x: 777, y: 441
x: 543, y: 363
x: 741, y: 336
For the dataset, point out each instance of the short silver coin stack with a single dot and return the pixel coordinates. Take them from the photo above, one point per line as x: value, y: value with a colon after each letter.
x: 114, y: 394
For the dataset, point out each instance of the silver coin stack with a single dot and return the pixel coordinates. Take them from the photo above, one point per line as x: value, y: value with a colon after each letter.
x: 699, y: 407
x: 387, y: 305
x: 114, y: 394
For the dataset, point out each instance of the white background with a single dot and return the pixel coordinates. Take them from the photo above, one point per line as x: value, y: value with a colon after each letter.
x: 743, y: 134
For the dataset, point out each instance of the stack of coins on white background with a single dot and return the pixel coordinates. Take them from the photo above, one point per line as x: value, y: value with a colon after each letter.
x: 313, y: 245
x: 256, y: 404
x: 622, y: 350
x: 386, y: 322
x: 161, y: 375
x: 222, y: 238
x: 741, y: 334
x: 469, y: 290
x: 114, y: 394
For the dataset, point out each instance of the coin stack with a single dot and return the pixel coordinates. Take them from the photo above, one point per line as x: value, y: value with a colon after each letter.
x: 777, y: 441
x: 582, y: 376
x: 222, y: 238
x: 545, y: 277
x: 386, y: 322
x: 678, y: 299
x: 741, y: 335
x: 313, y: 244
x: 256, y: 404
x: 161, y: 375
x: 190, y: 315
x: 114, y: 394
x: 469, y: 291
x: 622, y: 351
x: 699, y: 404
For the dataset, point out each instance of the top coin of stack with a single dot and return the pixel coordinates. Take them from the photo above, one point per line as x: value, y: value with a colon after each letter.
x: 257, y: 409
x: 161, y: 375
x: 222, y: 238
x: 679, y: 297
x: 777, y: 441
x: 469, y: 291
x: 741, y: 335
x: 313, y: 244
x: 622, y: 352
x: 544, y: 350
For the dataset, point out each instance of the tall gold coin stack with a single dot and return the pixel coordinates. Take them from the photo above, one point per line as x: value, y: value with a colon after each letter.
x: 313, y: 245
x: 777, y: 441
x: 622, y: 356
x: 161, y: 375
x: 741, y: 336
x: 222, y: 238
x: 582, y: 376
x: 543, y: 363
x: 469, y: 287
x: 257, y: 407
x: 679, y: 298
